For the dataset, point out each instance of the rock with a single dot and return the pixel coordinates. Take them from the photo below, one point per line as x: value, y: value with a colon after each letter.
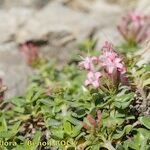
x: 105, y: 14
x: 143, y: 54
x: 143, y: 6
x: 78, y: 5
x: 58, y: 24
x: 14, y: 72
x: 11, y: 21
x: 8, y: 27
x: 107, y: 31
x: 21, y: 3
x: 23, y: 24
x: 108, y: 34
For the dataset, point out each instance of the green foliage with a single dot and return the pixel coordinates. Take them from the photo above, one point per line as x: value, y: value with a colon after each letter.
x: 56, y: 106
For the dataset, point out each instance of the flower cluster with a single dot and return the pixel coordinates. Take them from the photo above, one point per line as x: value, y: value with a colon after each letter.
x: 134, y: 27
x: 30, y: 52
x: 108, y: 63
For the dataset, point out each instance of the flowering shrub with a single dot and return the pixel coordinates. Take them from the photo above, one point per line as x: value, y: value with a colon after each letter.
x: 134, y: 27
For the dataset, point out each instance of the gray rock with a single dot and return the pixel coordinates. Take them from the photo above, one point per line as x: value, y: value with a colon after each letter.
x: 108, y: 34
x: 78, y: 5
x: 14, y: 72
x: 58, y: 24
x: 107, y: 16
x: 11, y: 20
x: 23, y: 3
x: 143, y: 54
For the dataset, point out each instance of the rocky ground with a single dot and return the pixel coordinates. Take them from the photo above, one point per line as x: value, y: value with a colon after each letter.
x: 61, y: 24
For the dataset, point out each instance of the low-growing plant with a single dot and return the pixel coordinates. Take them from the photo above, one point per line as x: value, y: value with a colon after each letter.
x: 100, y: 114
x: 99, y: 101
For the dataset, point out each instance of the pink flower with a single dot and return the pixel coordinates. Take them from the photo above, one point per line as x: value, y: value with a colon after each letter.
x: 88, y: 63
x: 111, y: 61
x: 138, y: 18
x: 30, y: 52
x: 108, y: 63
x: 93, y: 79
x: 134, y: 27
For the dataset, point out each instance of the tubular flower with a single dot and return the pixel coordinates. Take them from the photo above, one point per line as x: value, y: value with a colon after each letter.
x: 93, y: 79
x: 88, y: 63
x: 107, y: 64
x: 134, y: 27
x: 111, y: 61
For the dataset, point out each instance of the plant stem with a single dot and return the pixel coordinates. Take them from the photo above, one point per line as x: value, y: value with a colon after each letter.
x: 109, y: 146
x: 83, y: 145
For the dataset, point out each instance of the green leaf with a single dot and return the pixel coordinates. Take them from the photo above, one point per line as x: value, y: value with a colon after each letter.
x: 67, y: 127
x: 146, y: 82
x: 20, y: 147
x: 145, y: 121
x: 14, y: 130
x: 37, y: 95
x: 57, y: 133
x: 18, y: 101
x: 144, y: 132
x: 125, y: 131
x: 33, y: 144
x: 79, y: 113
x: 3, y: 124
x: 76, y: 130
x: 6, y: 134
x: 53, y: 122
x: 74, y: 121
x: 125, y: 97
x: 36, y: 140
x: 15, y: 127
x: 96, y: 147
x: 139, y: 141
x: 46, y: 102
x: 19, y: 109
x: 122, y: 105
x: 123, y: 101
x: 29, y: 95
